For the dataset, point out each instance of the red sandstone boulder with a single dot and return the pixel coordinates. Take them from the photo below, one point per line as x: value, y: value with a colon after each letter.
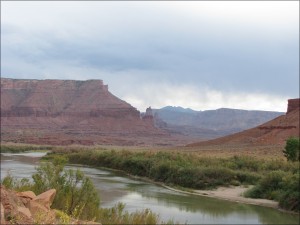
x: 26, y: 194
x: 41, y: 214
x: 45, y: 198
x: 36, y: 211
x: 24, y: 212
x: 2, y: 219
x: 14, y: 209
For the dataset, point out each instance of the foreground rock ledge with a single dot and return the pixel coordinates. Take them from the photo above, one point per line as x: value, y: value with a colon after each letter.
x: 27, y: 208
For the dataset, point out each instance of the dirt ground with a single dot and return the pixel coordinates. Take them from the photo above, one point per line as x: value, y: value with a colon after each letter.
x: 236, y: 194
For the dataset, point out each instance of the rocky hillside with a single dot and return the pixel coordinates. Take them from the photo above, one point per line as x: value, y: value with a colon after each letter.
x: 69, y: 112
x: 211, y: 123
x: 27, y: 208
x: 273, y: 132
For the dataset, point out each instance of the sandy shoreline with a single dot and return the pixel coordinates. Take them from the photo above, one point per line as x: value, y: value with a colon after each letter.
x: 233, y: 193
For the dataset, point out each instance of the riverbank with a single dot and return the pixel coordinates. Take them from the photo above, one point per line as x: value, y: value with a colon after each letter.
x: 231, y: 193
x: 273, y: 179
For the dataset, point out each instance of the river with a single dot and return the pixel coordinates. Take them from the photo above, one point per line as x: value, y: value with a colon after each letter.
x: 115, y: 187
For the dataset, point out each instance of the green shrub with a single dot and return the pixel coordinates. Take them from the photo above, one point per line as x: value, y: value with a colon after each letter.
x: 255, y: 192
x: 13, y: 183
x: 280, y: 186
x: 74, y: 190
x: 269, y: 186
x: 246, y: 177
x: 244, y: 163
x: 117, y: 215
x: 292, y: 149
x: 273, y: 180
x: 290, y: 196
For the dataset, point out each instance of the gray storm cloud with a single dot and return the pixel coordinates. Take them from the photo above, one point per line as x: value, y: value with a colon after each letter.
x: 189, y: 54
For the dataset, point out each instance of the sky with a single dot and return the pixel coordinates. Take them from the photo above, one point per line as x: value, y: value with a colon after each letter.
x: 194, y: 54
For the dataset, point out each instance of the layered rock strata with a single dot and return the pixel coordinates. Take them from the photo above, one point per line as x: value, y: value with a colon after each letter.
x: 293, y: 104
x: 68, y: 112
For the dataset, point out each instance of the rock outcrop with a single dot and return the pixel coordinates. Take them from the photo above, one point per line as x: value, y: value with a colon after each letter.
x: 64, y: 112
x: 27, y: 208
x: 148, y: 116
x: 274, y: 132
x: 293, y: 104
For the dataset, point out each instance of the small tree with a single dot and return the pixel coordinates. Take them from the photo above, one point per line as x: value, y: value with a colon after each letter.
x: 76, y: 193
x: 292, y: 149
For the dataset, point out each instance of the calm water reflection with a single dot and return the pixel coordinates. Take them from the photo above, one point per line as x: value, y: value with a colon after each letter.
x: 116, y: 187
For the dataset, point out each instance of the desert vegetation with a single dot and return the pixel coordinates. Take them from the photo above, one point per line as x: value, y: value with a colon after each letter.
x: 279, y: 184
x: 275, y: 179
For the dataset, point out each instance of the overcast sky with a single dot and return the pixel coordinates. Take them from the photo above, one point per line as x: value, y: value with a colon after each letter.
x: 201, y: 55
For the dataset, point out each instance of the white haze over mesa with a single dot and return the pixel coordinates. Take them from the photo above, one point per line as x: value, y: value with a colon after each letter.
x: 195, y: 54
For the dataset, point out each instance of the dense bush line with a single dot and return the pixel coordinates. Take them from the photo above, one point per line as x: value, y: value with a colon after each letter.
x: 273, y: 179
x: 280, y: 186
x: 184, y: 170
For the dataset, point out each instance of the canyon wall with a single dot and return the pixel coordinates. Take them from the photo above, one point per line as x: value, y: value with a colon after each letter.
x: 68, y: 112
x: 293, y: 104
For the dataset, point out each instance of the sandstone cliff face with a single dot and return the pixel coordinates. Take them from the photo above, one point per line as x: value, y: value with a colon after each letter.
x: 274, y: 132
x: 293, y: 104
x: 53, y: 98
x: 148, y: 116
x: 68, y: 112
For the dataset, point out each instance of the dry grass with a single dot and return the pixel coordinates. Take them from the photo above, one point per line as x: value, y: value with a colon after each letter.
x: 258, y: 152
x: 218, y: 151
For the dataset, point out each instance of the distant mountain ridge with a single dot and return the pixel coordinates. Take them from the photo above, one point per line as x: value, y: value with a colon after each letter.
x: 178, y: 109
x: 211, y: 123
x: 273, y: 132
